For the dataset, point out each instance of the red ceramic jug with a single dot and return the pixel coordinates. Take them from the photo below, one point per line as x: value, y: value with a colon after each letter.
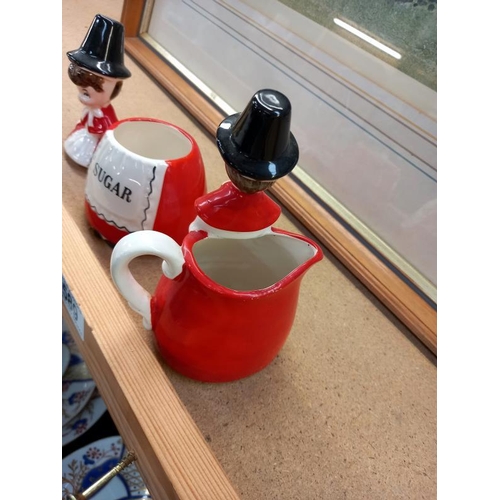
x: 228, y: 295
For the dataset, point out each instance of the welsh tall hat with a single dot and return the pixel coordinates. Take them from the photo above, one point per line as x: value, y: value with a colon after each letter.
x: 257, y: 142
x: 102, y: 49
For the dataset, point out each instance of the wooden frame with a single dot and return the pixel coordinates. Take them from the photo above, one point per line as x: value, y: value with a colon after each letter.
x: 391, y: 289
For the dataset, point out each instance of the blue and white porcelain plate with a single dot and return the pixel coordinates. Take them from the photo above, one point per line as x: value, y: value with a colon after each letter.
x: 80, y: 424
x: 75, y: 396
x: 76, y: 359
x: 85, y: 466
x: 77, y: 383
x: 66, y: 357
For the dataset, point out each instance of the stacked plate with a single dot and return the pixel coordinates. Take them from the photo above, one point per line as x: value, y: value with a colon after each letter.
x: 84, y: 467
x: 82, y: 406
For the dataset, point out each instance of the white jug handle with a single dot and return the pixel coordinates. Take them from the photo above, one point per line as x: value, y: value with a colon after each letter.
x: 135, y: 245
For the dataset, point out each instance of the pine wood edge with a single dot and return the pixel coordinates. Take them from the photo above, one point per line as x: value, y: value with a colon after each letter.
x: 173, y: 456
x: 131, y: 16
x: 394, y: 293
x: 155, y: 478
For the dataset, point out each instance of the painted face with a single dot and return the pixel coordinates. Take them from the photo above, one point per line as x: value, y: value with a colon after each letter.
x: 91, y: 98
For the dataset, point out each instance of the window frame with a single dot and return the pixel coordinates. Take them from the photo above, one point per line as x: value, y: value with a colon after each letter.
x: 388, y: 284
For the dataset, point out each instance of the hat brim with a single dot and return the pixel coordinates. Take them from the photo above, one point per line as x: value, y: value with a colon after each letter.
x: 104, y: 68
x: 262, y: 170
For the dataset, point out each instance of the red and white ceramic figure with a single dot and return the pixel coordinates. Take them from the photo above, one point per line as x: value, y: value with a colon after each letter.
x: 145, y: 174
x: 226, y: 301
x: 98, y: 71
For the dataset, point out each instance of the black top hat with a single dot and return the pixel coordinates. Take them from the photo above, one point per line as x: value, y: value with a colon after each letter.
x: 102, y: 50
x: 258, y: 142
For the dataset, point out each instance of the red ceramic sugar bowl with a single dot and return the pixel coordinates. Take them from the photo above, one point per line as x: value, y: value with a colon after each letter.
x: 146, y: 174
x: 227, y: 298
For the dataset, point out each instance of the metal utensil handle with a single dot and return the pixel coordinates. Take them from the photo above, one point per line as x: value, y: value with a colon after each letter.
x: 92, y: 490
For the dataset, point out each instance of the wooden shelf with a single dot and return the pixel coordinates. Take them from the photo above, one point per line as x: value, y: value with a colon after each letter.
x: 347, y: 410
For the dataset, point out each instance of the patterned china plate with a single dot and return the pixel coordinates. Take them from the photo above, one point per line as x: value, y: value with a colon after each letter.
x: 85, y: 466
x: 75, y: 396
x: 66, y: 356
x: 77, y: 382
x: 76, y: 359
x: 80, y: 424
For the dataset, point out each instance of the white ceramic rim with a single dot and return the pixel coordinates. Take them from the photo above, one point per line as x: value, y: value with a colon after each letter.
x: 110, y: 136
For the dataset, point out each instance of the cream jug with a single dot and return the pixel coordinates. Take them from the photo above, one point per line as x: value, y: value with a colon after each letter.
x: 227, y: 297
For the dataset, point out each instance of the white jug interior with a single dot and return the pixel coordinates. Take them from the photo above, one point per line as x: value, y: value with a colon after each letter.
x: 152, y: 140
x: 251, y: 264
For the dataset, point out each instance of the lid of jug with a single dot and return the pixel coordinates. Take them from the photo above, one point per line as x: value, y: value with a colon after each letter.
x: 258, y: 148
x: 258, y: 142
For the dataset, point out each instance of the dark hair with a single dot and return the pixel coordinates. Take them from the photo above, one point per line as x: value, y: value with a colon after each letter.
x: 246, y: 184
x: 83, y: 78
x: 116, y: 90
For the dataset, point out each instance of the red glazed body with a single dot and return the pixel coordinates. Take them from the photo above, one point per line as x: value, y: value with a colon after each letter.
x: 214, y: 334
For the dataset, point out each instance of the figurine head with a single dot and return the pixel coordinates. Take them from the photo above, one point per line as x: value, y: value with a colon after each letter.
x: 97, y: 67
x: 95, y: 91
x: 246, y: 184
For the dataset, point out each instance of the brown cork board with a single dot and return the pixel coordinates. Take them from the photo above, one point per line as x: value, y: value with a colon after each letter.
x: 348, y: 408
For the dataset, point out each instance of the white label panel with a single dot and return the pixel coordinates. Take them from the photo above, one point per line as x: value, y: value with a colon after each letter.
x: 73, y: 308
